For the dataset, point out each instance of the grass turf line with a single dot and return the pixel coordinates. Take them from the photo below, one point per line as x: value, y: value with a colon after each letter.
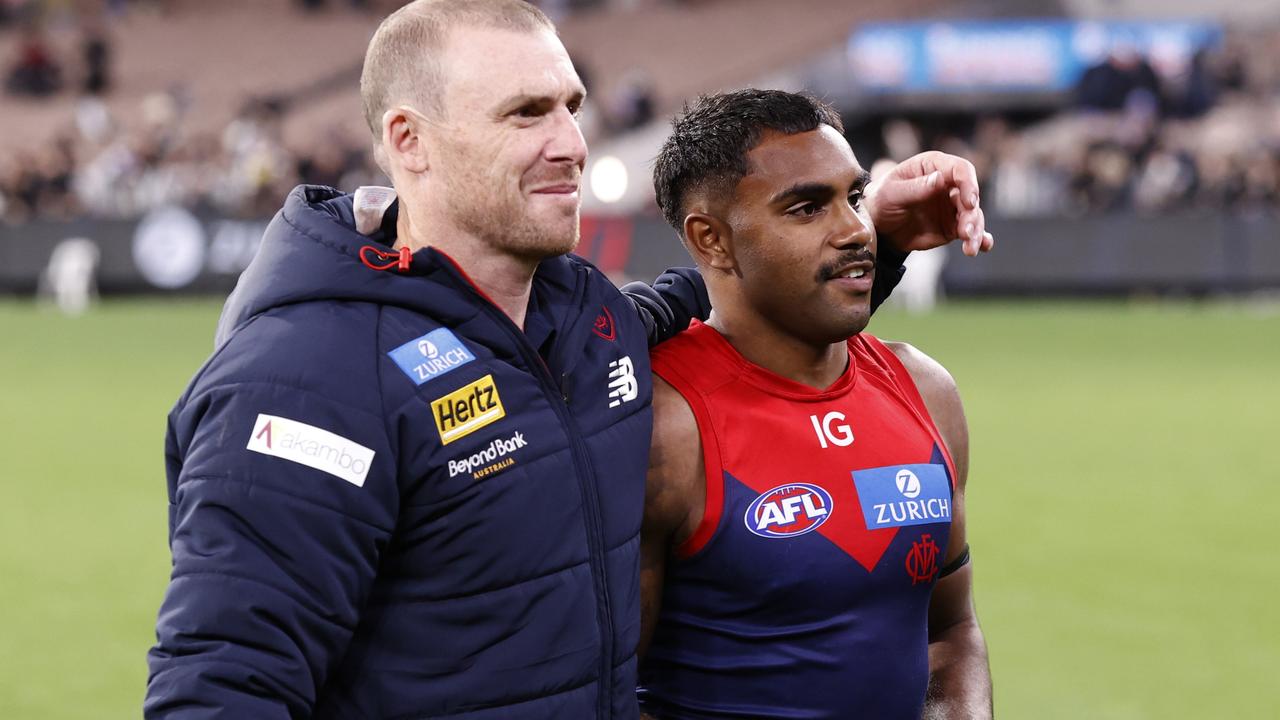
x: 1122, y: 494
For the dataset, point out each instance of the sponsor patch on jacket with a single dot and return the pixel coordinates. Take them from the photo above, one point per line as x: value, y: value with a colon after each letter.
x: 490, y: 460
x: 467, y: 409
x: 432, y: 355
x: 898, y: 495
x: 311, y: 446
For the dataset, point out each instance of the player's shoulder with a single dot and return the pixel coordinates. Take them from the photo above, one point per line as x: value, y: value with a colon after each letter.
x: 929, y: 375
x: 676, y: 448
x: 323, y: 347
x: 675, y: 426
x: 674, y: 483
x: 940, y: 394
x: 698, y: 343
x: 564, y: 268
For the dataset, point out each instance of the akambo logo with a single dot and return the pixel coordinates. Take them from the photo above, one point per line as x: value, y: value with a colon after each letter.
x: 788, y: 510
x: 467, y: 409
x: 899, y: 495
x: 491, y: 460
x: 432, y: 355
x: 309, y: 445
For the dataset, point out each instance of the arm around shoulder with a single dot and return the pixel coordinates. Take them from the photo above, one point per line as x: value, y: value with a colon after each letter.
x: 668, y: 306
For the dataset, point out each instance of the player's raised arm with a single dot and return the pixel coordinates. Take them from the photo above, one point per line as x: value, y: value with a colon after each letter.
x: 959, y: 674
x: 927, y: 201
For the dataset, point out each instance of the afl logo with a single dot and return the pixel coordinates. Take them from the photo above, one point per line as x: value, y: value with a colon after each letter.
x: 788, y: 510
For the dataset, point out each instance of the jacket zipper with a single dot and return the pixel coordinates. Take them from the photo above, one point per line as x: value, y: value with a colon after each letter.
x: 586, y: 486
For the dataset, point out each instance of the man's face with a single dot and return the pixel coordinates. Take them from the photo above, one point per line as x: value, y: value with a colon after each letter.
x: 804, y: 245
x: 508, y: 154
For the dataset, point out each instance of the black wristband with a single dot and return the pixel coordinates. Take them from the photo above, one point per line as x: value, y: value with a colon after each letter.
x: 956, y: 564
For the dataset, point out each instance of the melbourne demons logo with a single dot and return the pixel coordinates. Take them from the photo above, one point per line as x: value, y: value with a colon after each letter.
x: 922, y: 560
x: 788, y: 510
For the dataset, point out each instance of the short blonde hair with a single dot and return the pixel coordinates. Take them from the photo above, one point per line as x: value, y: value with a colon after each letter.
x: 403, y: 60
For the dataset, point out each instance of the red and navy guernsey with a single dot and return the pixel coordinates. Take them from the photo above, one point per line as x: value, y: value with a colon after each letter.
x: 804, y: 592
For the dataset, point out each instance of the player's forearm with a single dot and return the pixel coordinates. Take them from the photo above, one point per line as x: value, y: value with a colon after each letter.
x: 959, y: 675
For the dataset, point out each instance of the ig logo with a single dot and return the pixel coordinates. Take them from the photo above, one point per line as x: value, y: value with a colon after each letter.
x: 908, y: 483
x: 828, y: 432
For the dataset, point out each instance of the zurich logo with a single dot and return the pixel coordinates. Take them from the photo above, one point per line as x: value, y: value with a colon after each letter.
x: 908, y: 483
x: 788, y: 510
x: 432, y: 355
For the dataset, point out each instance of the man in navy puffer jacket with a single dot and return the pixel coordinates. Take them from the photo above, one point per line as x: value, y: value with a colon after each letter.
x: 409, y: 481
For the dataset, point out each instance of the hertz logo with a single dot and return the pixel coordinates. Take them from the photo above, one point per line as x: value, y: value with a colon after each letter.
x: 467, y: 409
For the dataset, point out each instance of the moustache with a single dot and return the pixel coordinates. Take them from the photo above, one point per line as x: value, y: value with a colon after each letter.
x: 829, y: 271
x: 553, y: 178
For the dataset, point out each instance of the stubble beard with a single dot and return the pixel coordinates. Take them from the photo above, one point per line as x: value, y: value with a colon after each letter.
x: 503, y: 222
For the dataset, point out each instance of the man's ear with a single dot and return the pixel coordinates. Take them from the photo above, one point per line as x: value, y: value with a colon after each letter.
x: 710, y: 241
x: 404, y: 139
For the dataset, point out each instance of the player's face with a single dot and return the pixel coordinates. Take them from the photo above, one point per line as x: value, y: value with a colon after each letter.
x: 803, y: 242
x: 509, y: 152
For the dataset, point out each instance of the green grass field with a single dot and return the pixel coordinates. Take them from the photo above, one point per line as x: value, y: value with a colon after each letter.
x: 1122, y: 500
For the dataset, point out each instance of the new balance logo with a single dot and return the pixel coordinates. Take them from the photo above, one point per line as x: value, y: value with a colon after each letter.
x: 622, y: 382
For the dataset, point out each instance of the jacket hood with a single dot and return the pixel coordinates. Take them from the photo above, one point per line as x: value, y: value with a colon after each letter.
x: 312, y: 251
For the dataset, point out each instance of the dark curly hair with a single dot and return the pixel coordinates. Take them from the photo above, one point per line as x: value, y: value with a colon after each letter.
x: 710, y: 140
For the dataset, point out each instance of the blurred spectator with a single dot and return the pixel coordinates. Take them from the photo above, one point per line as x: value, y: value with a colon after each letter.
x: 1109, y: 85
x: 1166, y: 181
x: 1193, y: 94
x: 901, y: 140
x: 96, y: 52
x: 632, y: 103
x: 13, y: 12
x: 34, y: 71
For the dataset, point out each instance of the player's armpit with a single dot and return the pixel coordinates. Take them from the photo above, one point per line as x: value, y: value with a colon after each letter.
x: 674, y: 497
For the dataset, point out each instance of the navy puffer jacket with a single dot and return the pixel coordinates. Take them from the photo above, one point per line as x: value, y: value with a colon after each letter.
x: 387, y: 501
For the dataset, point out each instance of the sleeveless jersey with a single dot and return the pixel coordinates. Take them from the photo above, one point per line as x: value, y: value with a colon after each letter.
x: 804, y: 591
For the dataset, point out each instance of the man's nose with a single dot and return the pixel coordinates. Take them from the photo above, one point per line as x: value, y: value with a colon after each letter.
x: 566, y: 143
x: 850, y: 230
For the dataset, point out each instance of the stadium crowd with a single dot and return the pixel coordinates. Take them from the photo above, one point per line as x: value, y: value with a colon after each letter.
x: 102, y: 170
x: 1133, y: 140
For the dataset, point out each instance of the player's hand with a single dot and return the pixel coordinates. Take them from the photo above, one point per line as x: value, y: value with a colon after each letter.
x: 927, y: 201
